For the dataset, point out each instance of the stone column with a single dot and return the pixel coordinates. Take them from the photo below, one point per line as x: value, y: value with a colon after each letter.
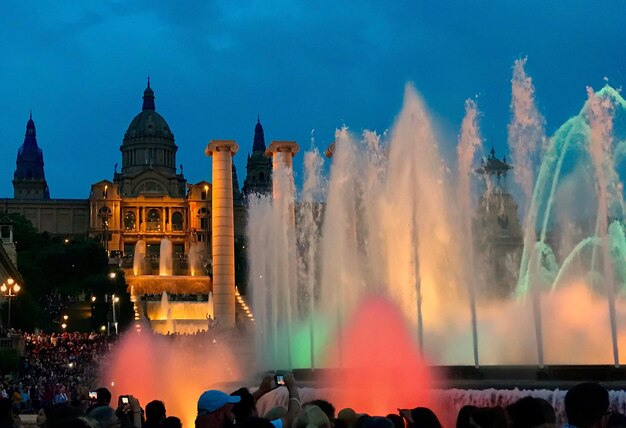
x: 223, y: 232
x: 282, y: 153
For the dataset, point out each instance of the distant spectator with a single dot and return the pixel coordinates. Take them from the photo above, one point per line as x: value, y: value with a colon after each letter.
x: 172, y: 422
x: 7, y: 418
x: 327, y: 408
x: 396, y: 420
x: 463, y: 418
x: 489, y: 417
x: 527, y: 412
x: 215, y: 410
x: 245, y: 408
x: 155, y: 414
x: 311, y: 417
x: 616, y: 420
x: 586, y: 404
x: 347, y: 417
x: 420, y: 417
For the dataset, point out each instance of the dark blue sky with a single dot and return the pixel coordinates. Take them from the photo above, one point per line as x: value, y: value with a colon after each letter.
x: 302, y: 65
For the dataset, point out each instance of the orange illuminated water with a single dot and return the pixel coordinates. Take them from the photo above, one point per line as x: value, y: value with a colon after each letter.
x: 175, y: 370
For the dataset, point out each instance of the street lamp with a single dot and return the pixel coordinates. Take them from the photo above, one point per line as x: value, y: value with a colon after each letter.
x: 114, y: 300
x: 10, y: 290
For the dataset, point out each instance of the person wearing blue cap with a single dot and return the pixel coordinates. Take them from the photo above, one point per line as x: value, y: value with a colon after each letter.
x: 215, y: 409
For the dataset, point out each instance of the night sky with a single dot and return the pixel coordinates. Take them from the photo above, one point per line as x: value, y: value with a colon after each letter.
x: 81, y: 67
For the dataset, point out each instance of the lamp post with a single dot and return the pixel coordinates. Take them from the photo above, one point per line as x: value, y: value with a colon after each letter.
x: 114, y: 300
x: 10, y: 290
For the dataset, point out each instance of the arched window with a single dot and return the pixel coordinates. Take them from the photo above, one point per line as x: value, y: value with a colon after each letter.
x: 129, y: 220
x: 154, y: 220
x: 177, y: 221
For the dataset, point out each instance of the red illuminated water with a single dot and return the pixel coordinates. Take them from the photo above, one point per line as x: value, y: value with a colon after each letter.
x: 383, y: 368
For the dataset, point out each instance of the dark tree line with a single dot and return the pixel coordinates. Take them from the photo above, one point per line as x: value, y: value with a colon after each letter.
x: 55, y: 268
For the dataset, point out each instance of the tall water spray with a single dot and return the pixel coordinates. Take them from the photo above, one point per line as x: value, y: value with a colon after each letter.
x: 308, y: 232
x: 469, y: 144
x: 526, y: 139
x: 394, y: 221
x: 194, y: 258
x: 166, y: 263
x: 139, y: 257
x: 600, y: 116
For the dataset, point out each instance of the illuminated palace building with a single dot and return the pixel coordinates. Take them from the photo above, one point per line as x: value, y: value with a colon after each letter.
x: 149, y: 199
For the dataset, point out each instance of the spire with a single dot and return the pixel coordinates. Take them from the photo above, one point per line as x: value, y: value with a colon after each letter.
x: 236, y: 192
x: 148, y: 98
x: 259, y: 138
x: 29, y: 167
x: 30, y: 139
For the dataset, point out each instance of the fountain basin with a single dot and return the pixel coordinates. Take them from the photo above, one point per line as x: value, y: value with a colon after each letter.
x: 178, y: 284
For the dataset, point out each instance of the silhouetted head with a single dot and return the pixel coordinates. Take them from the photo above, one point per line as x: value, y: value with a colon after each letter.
x: 423, y: 417
x: 57, y: 415
x: 396, y: 420
x: 616, y: 420
x: 103, y: 397
x: 375, y: 422
x: 463, y: 418
x: 105, y: 416
x: 245, y: 408
x: 311, y: 417
x: 586, y: 404
x: 155, y: 411
x: 491, y: 417
x: 327, y: 408
x: 549, y: 415
x: 527, y: 412
x: 172, y: 422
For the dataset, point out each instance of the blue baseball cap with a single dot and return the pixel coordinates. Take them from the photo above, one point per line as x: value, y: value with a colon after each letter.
x: 213, y: 400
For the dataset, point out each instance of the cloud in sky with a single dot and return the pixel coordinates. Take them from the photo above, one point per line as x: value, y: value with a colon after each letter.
x: 82, y: 67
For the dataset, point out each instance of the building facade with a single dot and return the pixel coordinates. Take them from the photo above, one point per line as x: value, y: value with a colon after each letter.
x: 148, y: 199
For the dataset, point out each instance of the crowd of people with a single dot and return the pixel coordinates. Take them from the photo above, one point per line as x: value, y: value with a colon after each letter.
x: 56, y: 368
x: 586, y: 406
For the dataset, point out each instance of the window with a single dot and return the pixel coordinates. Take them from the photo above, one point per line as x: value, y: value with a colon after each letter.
x: 203, y: 195
x: 104, y: 213
x: 177, y: 221
x: 129, y: 220
x: 153, y: 220
x: 5, y: 232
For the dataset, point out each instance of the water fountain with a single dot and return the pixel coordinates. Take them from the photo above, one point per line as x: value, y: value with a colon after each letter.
x: 394, y: 221
x: 139, y: 257
x: 167, y: 315
x: 397, y: 222
x: 195, y: 257
x: 166, y: 266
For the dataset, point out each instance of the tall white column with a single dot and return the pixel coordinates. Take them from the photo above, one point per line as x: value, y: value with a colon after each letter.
x: 223, y: 231
x: 282, y: 153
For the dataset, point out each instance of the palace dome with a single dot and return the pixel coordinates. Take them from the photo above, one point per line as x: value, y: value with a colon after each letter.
x: 148, y: 124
